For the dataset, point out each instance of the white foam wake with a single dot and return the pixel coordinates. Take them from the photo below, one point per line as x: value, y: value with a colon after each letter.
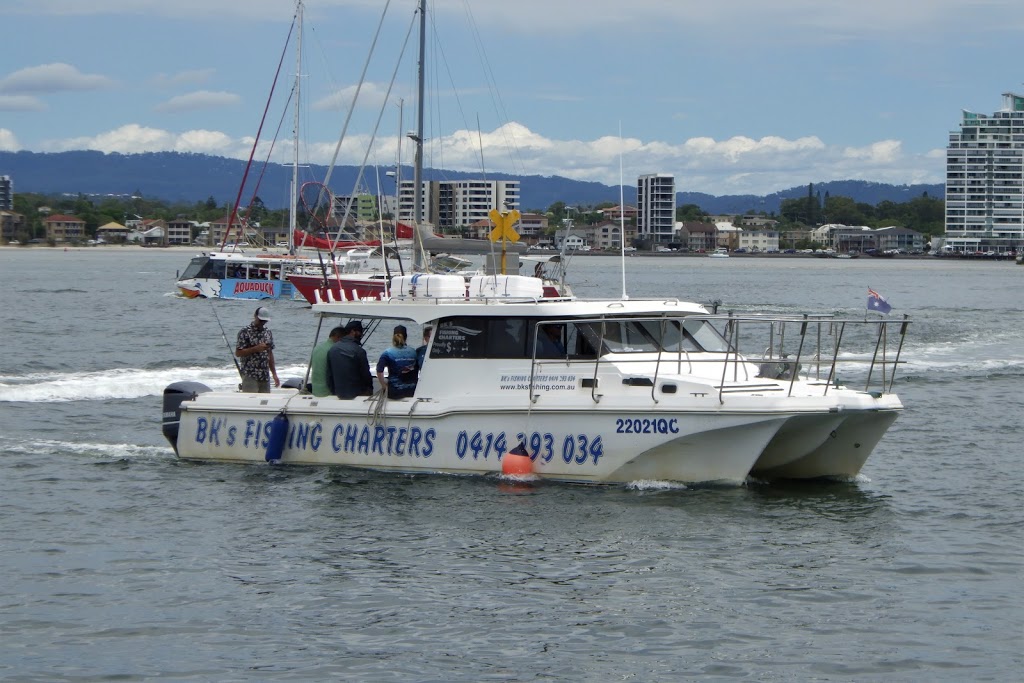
x: 99, y: 450
x: 119, y: 383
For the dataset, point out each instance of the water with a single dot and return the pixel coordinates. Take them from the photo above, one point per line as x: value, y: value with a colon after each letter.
x: 122, y: 563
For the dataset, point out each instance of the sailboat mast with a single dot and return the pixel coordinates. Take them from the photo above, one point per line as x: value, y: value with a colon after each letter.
x: 294, y: 198
x: 417, y: 173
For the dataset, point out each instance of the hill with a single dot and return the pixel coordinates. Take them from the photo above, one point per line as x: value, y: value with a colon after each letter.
x: 190, y: 178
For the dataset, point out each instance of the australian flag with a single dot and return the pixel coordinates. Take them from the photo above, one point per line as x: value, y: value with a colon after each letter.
x: 877, y: 302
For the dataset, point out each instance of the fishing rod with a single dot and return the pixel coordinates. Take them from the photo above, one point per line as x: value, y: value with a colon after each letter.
x: 224, y: 336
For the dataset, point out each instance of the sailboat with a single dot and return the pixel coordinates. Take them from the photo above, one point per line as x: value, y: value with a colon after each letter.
x: 230, y: 273
x: 431, y: 252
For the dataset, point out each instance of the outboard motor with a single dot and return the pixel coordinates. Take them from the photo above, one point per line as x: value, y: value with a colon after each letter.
x: 174, y: 394
x: 292, y: 383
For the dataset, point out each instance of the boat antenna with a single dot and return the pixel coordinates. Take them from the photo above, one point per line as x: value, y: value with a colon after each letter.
x: 622, y: 221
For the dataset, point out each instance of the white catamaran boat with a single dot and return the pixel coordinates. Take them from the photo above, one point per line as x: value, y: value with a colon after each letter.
x: 636, y: 390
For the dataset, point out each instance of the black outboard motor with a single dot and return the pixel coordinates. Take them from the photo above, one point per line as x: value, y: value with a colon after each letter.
x: 174, y: 394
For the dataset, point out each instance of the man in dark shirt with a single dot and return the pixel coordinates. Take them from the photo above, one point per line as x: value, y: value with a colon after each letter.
x: 255, y: 346
x: 348, y: 368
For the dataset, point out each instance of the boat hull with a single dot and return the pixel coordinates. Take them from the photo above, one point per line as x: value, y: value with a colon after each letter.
x: 439, y: 437
x: 348, y: 287
x: 232, y: 288
x: 842, y: 454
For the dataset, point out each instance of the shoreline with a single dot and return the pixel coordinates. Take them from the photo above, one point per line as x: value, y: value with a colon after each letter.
x: 136, y: 248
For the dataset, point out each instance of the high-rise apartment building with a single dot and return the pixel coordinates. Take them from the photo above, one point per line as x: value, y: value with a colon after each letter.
x: 6, y: 193
x: 449, y: 204
x: 656, y: 208
x: 985, y: 181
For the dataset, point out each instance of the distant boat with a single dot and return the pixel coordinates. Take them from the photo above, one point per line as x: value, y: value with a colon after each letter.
x: 721, y: 252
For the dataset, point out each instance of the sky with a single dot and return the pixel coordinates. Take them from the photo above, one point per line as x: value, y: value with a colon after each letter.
x: 730, y: 97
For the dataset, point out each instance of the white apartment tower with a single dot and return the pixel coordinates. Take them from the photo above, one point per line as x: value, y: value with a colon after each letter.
x: 985, y: 180
x: 449, y: 204
x: 656, y: 208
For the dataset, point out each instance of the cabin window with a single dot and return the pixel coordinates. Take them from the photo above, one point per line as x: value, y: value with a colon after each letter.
x: 648, y: 336
x: 498, y: 338
x: 621, y: 336
x: 705, y: 335
x: 459, y: 338
x: 670, y: 335
x: 195, y: 267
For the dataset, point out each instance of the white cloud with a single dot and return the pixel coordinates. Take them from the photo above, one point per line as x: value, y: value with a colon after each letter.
x: 134, y: 139
x: 885, y: 151
x: 21, y: 103
x: 8, y: 141
x: 738, y: 165
x: 200, y: 99
x: 370, y: 96
x: 51, y: 78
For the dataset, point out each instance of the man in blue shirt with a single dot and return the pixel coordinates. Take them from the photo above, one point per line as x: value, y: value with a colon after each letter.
x: 400, y: 362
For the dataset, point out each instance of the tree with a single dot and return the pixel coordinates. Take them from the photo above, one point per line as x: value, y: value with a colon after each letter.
x: 843, y: 210
x: 690, y: 212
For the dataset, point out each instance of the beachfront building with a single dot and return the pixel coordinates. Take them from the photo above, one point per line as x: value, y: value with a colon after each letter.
x: 179, y: 231
x: 985, y: 181
x: 62, y: 228
x: 759, y: 239
x: 452, y: 204
x: 607, y: 234
x: 112, y: 233
x: 699, y: 237
x: 861, y: 238
x: 12, y: 226
x: 619, y: 213
x: 656, y: 208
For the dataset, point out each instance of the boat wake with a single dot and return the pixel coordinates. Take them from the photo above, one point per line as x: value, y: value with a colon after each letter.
x: 106, y: 451
x: 655, y: 485
x: 103, y: 385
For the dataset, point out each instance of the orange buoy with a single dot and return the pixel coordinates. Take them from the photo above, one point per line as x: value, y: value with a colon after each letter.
x: 517, y: 462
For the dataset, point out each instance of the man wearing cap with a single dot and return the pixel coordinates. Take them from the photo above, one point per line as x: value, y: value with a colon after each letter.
x: 400, y: 361
x: 255, y: 346
x: 348, y: 369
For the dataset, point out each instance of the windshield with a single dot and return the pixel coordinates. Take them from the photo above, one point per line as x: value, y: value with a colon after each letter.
x: 194, y: 267
x: 650, y: 336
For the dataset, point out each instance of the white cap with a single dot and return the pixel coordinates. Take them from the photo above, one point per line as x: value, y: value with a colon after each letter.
x: 263, y: 313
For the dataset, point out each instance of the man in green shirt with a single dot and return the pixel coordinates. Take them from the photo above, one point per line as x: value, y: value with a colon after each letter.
x: 318, y: 363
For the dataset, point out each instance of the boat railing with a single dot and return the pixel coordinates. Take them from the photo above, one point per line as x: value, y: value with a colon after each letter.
x: 818, y: 344
x: 807, y: 348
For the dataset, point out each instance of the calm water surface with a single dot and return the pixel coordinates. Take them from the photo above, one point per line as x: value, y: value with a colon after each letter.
x: 122, y: 563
